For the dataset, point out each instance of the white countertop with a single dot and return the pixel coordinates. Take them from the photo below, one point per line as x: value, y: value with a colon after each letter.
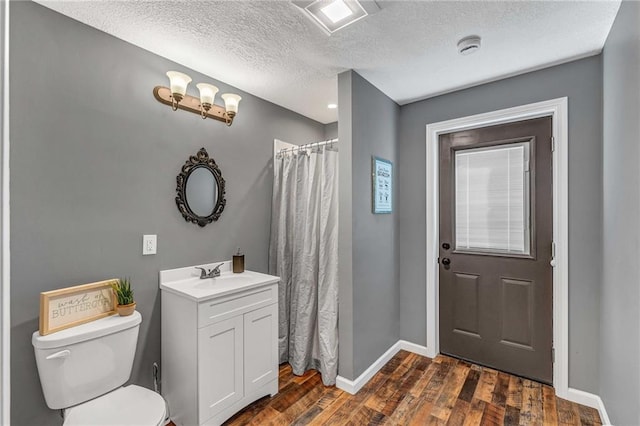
x: 186, y: 282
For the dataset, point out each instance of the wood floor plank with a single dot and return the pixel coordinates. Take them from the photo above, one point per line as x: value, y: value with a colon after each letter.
x: 531, y: 411
x: 435, y: 421
x: 284, y: 400
x: 476, y: 410
x: 379, y: 399
x: 285, y: 376
x: 409, y: 381
x: 486, y: 385
x: 447, y: 399
x: 549, y: 407
x: 328, y: 398
x: 435, y: 385
x: 245, y: 416
x: 566, y: 413
x: 342, y: 415
x: 514, y: 394
x: 308, y: 416
x: 298, y: 408
x: 501, y: 390
x: 430, y: 393
x: 511, y: 415
x: 469, y: 388
x: 493, y: 414
x: 406, y: 409
x: 366, y: 416
x: 459, y: 413
x: 588, y: 416
x: 306, y: 376
x: 264, y: 416
x: 323, y: 417
x: 414, y: 390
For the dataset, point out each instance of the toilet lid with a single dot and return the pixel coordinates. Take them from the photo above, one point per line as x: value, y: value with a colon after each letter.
x: 127, y: 406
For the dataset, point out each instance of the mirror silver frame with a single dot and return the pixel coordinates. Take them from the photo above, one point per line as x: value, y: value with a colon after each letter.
x: 200, y: 160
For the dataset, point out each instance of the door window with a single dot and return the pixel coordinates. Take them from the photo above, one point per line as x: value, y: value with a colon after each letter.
x: 492, y: 201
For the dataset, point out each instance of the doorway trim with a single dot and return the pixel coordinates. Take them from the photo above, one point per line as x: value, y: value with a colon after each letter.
x: 557, y: 109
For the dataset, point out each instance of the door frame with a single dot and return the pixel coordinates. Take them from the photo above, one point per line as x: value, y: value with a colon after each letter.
x: 557, y: 109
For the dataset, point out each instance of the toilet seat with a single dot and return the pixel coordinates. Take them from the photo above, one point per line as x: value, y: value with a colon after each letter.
x: 127, y: 406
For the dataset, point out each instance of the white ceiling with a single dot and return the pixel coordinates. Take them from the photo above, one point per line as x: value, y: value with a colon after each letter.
x: 407, y: 50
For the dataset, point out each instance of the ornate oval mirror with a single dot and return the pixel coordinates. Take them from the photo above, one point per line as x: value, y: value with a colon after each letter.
x: 200, y: 189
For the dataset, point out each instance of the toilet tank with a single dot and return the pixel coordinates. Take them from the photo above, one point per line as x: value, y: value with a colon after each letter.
x: 86, y: 361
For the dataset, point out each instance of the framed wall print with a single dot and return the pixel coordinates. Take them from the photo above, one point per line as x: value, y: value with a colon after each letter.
x: 382, y: 185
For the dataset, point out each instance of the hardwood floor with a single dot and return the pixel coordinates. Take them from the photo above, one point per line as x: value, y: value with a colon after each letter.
x: 414, y: 390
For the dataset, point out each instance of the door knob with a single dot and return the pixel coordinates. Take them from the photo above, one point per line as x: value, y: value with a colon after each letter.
x: 446, y: 261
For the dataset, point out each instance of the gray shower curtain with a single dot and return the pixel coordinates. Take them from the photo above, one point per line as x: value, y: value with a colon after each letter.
x: 303, y: 252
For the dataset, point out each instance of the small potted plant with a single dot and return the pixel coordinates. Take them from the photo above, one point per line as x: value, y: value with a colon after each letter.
x: 124, y: 294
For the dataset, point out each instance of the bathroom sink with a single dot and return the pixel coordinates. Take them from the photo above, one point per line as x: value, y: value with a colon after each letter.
x: 187, y: 283
x: 232, y: 276
x: 223, y: 279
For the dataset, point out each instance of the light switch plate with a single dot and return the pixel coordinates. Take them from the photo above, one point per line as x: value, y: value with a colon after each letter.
x: 149, y: 244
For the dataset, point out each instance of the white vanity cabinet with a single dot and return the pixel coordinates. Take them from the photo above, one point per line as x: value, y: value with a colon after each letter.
x: 219, y: 344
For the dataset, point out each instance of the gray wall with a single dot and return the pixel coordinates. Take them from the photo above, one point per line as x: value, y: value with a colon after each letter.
x: 345, y: 225
x: 620, y: 323
x: 372, y: 130
x: 5, y: 393
x: 331, y: 130
x: 94, y: 159
x: 580, y: 81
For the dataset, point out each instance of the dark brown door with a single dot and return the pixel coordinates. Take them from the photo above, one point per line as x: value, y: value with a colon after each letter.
x: 496, y: 247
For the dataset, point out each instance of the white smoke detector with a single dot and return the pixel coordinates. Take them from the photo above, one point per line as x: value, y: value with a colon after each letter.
x: 469, y: 45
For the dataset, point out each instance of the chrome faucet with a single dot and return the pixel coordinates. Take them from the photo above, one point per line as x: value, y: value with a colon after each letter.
x: 215, y: 272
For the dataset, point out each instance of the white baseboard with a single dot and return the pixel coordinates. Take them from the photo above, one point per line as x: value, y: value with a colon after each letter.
x: 590, y: 400
x: 412, y: 347
x: 353, y: 386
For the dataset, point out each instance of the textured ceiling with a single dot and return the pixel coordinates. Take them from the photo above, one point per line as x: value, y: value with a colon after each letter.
x: 407, y: 50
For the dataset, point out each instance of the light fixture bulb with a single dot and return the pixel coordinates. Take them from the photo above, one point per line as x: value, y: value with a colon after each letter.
x: 178, y: 83
x: 231, y: 102
x: 207, y: 94
x: 332, y: 106
x: 336, y: 11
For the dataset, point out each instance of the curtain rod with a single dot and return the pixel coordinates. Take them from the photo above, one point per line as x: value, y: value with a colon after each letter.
x: 308, y: 145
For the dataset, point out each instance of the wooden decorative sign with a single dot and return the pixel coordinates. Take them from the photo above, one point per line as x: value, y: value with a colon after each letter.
x: 71, y: 306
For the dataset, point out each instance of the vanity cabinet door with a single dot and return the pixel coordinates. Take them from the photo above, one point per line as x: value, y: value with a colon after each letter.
x: 220, y: 378
x: 260, y: 347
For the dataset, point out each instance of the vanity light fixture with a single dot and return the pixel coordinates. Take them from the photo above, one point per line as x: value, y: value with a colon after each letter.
x: 176, y: 97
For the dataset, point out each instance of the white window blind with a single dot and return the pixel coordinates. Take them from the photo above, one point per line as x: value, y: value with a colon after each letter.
x: 492, y: 199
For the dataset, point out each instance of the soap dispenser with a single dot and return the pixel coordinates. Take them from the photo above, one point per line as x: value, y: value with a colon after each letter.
x: 238, y: 262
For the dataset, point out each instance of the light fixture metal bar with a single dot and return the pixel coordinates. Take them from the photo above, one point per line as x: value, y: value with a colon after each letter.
x: 189, y: 103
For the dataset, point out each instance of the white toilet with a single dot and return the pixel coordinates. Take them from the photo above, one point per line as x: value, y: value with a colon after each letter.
x: 82, y: 370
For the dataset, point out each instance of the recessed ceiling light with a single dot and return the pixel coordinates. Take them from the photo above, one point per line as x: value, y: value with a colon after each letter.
x: 332, y: 15
x: 336, y: 11
x: 332, y: 106
x: 469, y: 45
